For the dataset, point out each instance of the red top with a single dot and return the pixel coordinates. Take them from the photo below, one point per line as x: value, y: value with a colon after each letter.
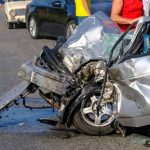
x: 131, y: 9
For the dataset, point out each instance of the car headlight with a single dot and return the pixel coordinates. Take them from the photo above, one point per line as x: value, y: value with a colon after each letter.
x: 12, y: 13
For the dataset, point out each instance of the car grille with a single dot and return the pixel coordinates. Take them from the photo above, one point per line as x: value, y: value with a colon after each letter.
x: 20, y: 12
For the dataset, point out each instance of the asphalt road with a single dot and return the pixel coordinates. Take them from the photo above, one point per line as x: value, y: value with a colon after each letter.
x: 19, y: 129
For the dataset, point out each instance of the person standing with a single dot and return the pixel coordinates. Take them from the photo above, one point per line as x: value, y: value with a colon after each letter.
x: 125, y: 12
x: 82, y: 9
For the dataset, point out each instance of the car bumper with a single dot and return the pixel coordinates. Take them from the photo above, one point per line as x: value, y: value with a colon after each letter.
x: 17, y: 19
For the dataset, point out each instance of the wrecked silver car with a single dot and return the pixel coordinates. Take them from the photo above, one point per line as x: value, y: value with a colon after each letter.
x: 97, y: 78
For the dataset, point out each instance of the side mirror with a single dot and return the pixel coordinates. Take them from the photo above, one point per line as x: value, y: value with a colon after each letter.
x: 56, y: 3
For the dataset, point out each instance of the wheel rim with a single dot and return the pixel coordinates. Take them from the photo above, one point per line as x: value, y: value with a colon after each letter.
x: 89, y: 113
x: 70, y: 29
x: 33, y: 27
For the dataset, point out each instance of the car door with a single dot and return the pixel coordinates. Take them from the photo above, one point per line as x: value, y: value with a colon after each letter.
x: 56, y: 17
x: 101, y: 5
x: 42, y: 16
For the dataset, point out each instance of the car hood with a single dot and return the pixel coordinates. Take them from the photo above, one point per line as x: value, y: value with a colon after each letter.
x: 93, y: 39
x: 17, y: 5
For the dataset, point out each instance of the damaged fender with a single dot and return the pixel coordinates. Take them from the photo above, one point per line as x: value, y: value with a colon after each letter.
x: 75, y: 103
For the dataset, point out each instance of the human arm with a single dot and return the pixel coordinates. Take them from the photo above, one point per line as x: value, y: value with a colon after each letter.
x: 115, y: 13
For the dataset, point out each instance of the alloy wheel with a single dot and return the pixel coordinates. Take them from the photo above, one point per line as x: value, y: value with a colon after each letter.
x: 89, y: 112
x: 33, y: 27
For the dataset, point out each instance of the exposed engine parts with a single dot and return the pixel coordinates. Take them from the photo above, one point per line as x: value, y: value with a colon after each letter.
x: 109, y: 93
x: 87, y: 72
x: 94, y: 69
x: 99, y: 70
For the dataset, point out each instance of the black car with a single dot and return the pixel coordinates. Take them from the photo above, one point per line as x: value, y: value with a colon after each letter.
x: 57, y: 17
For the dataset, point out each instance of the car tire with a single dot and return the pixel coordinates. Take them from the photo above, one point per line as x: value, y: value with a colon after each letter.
x: 71, y: 25
x: 83, y: 126
x: 10, y: 25
x: 33, y: 28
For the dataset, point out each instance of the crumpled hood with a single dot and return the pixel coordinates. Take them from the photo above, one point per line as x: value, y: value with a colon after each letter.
x: 93, y: 39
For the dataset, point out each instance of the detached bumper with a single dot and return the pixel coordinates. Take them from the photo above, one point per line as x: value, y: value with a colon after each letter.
x: 51, y: 81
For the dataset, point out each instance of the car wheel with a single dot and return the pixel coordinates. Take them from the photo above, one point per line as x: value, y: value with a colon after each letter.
x: 71, y: 25
x: 86, y: 120
x: 33, y: 28
x: 10, y: 25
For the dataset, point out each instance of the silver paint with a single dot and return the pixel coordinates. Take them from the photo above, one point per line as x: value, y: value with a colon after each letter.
x: 51, y: 81
x: 132, y: 82
x: 92, y: 39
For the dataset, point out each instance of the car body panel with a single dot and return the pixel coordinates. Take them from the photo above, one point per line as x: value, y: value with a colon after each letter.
x: 103, y: 6
x: 55, y: 19
x: 131, y: 78
x: 132, y: 81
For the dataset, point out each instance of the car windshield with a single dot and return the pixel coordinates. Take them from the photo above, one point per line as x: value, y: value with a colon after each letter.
x: 93, y: 39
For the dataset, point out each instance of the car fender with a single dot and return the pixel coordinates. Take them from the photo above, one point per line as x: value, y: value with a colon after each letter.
x: 75, y: 103
x: 30, y: 12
